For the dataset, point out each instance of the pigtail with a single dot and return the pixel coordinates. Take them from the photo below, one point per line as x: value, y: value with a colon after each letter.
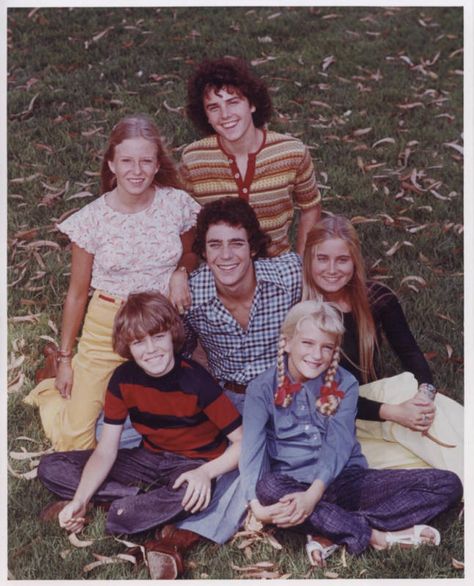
x: 281, y: 361
x: 284, y: 393
x: 330, y: 395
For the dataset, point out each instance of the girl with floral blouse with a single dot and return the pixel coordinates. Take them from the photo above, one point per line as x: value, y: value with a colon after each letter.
x: 135, y: 237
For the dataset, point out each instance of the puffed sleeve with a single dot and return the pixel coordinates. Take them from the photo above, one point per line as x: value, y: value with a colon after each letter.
x: 188, y: 209
x: 83, y: 227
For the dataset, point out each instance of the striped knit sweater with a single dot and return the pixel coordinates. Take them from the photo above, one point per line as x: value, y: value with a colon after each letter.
x: 280, y: 176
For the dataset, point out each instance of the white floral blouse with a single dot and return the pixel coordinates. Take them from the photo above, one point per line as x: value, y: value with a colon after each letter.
x: 133, y: 252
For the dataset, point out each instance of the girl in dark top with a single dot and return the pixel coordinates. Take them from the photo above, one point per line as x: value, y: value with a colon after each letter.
x: 333, y: 269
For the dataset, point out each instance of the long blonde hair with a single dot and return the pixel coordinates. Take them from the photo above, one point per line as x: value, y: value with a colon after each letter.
x: 325, y: 317
x: 329, y: 228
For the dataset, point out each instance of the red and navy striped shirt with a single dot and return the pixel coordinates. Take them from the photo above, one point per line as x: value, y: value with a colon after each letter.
x: 184, y: 412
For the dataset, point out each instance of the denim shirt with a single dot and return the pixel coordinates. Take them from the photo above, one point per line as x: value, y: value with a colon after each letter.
x: 298, y: 440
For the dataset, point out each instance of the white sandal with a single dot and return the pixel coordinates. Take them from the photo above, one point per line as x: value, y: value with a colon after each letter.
x: 318, y: 545
x: 415, y: 539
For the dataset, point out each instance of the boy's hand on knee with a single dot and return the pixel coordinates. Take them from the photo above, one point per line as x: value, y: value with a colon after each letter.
x: 198, y: 491
x: 72, y: 517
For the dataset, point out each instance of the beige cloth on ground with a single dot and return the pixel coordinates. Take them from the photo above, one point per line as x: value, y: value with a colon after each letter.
x: 390, y: 445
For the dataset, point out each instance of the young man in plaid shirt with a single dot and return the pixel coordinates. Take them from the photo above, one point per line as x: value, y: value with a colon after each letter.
x: 239, y: 297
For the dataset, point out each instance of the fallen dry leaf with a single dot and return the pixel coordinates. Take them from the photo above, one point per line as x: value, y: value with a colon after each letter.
x: 43, y: 243
x: 397, y: 246
x: 457, y: 565
x: 455, y: 146
x: 15, y: 384
x: 273, y: 542
x: 386, y: 140
x: 419, y: 280
x: 89, y: 567
x: 327, y: 61
x: 30, y: 475
x: 76, y: 542
x: 80, y: 194
x: 28, y: 455
x: 332, y: 575
x: 361, y: 131
x: 447, y: 318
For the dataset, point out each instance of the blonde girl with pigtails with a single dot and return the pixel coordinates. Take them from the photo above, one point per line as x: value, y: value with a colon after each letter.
x: 301, y: 465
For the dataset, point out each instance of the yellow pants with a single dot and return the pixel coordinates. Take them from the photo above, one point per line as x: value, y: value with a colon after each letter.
x: 390, y: 445
x: 70, y: 423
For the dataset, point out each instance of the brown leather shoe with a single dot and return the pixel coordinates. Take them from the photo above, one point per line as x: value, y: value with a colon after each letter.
x: 50, y: 512
x: 50, y: 369
x: 164, y: 561
x: 182, y: 539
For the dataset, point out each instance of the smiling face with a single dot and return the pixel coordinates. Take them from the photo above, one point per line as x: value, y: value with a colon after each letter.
x: 229, y: 113
x: 310, y: 351
x: 154, y: 354
x: 228, y: 256
x: 332, y: 267
x: 134, y: 165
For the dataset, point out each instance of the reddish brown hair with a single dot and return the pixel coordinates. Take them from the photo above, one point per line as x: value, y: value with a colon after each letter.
x: 145, y: 314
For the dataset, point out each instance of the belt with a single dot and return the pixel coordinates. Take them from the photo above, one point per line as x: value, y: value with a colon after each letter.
x: 110, y: 298
x: 235, y: 387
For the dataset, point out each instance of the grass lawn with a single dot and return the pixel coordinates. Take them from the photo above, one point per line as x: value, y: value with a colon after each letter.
x: 376, y: 93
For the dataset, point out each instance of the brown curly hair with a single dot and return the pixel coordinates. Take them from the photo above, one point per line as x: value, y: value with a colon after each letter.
x: 237, y: 213
x: 135, y: 126
x: 226, y: 72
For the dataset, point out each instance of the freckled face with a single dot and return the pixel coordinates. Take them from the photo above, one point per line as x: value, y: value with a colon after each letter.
x: 310, y: 351
x: 332, y: 266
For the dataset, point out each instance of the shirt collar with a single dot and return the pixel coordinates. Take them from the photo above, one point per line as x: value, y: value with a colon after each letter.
x: 203, y: 286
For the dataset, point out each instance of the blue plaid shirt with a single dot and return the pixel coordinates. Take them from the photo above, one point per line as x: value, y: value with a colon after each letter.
x: 235, y: 354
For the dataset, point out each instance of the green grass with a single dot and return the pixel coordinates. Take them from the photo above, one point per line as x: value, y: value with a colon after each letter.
x: 395, y: 71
